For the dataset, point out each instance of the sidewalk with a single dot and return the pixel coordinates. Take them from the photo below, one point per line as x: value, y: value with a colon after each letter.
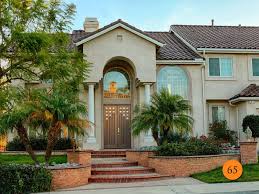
x: 170, y: 186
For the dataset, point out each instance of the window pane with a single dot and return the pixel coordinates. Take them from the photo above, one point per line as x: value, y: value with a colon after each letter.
x: 116, y: 84
x: 174, y: 79
x: 221, y: 113
x: 226, y: 67
x: 218, y: 113
x: 214, y: 67
x: 255, y: 63
x: 214, y: 114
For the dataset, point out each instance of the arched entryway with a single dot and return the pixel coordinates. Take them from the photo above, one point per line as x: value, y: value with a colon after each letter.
x: 117, y: 104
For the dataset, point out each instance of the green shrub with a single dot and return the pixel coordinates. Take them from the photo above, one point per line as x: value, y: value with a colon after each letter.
x: 220, y: 131
x: 189, y: 148
x: 251, y: 121
x: 148, y: 148
x: 19, y: 179
x: 39, y: 144
x: 174, y: 137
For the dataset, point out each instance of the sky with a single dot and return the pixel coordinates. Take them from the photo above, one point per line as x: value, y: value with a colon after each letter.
x: 158, y: 15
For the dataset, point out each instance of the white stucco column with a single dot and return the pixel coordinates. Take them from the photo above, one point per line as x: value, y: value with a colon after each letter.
x: 91, y: 133
x: 148, y: 136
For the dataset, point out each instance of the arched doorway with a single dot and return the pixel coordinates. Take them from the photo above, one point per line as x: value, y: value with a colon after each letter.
x: 117, y: 101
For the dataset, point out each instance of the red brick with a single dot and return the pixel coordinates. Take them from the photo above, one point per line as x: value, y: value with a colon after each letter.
x: 70, y: 177
x: 248, y: 151
x: 184, y: 166
x: 79, y: 157
x: 142, y: 157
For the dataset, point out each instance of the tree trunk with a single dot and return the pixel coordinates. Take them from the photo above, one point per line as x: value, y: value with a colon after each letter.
x: 165, y: 132
x: 156, y: 136
x: 53, y: 134
x: 26, y: 142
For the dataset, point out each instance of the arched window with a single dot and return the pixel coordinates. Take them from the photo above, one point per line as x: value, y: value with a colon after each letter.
x: 174, y: 79
x: 116, y: 84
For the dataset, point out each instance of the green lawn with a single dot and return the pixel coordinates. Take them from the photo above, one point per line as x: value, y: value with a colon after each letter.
x: 250, y: 173
x: 25, y: 159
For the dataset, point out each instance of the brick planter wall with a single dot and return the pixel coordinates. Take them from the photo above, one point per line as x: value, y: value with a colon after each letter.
x: 70, y: 177
x: 248, y: 151
x: 142, y: 157
x: 79, y: 157
x: 184, y: 166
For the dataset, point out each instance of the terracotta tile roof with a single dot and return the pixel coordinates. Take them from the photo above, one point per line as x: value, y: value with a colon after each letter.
x: 227, y: 37
x: 251, y: 91
x: 174, y: 49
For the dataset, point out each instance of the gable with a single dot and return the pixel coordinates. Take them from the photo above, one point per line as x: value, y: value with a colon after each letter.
x: 115, y: 25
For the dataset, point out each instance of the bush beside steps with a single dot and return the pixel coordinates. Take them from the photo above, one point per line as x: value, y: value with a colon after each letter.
x: 19, y: 179
x: 189, y: 148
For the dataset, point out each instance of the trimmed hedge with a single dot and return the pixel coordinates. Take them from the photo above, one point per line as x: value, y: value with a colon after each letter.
x: 19, y: 179
x: 39, y: 144
x: 189, y: 148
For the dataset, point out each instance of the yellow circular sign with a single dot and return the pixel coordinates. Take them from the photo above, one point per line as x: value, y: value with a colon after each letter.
x: 232, y: 169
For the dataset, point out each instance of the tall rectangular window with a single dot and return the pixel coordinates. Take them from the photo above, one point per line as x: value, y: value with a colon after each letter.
x: 221, y: 67
x: 255, y: 66
x: 218, y: 113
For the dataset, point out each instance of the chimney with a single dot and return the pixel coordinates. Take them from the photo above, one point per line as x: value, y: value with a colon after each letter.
x: 91, y: 24
x: 212, y: 22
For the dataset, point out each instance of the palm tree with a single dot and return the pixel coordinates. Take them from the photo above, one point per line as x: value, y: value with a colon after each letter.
x: 166, y: 113
x: 16, y: 105
x: 57, y: 110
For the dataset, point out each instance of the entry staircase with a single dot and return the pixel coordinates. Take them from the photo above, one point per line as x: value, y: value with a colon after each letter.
x: 111, y: 166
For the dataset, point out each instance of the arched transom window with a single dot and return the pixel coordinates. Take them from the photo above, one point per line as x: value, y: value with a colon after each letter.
x: 174, y: 79
x: 116, y: 84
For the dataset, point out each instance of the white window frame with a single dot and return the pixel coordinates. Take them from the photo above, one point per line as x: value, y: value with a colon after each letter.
x: 250, y: 68
x: 219, y: 76
x: 217, y: 104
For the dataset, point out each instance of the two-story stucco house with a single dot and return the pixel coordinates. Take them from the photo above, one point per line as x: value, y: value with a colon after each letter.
x: 215, y: 67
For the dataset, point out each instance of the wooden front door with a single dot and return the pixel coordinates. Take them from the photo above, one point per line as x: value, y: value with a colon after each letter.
x: 117, y: 126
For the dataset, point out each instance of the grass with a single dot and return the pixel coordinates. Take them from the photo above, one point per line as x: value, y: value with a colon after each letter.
x: 250, y: 173
x: 25, y: 159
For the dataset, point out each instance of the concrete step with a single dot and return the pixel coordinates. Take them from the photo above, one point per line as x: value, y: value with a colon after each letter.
x: 122, y: 170
x: 108, y: 155
x: 105, y: 164
x: 109, y: 152
x: 125, y: 178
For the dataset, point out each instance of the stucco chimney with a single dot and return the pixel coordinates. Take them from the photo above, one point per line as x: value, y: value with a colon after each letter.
x: 91, y: 24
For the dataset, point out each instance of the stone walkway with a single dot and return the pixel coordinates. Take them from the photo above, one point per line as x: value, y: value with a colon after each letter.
x: 170, y: 186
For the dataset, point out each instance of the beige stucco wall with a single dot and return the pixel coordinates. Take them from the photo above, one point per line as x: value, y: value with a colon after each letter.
x: 225, y: 88
x: 139, y: 52
x: 219, y: 90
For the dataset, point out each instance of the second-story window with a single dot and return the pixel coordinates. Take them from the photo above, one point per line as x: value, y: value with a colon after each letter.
x: 255, y: 66
x: 221, y: 67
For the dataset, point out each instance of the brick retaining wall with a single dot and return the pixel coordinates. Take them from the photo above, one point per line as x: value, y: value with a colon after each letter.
x: 142, y: 157
x: 70, y: 177
x: 179, y: 166
x: 183, y: 166
x: 79, y: 157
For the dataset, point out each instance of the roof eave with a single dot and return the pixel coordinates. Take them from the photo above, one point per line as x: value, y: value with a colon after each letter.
x: 196, y: 61
x: 91, y: 37
x: 227, y: 50
x: 242, y: 99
